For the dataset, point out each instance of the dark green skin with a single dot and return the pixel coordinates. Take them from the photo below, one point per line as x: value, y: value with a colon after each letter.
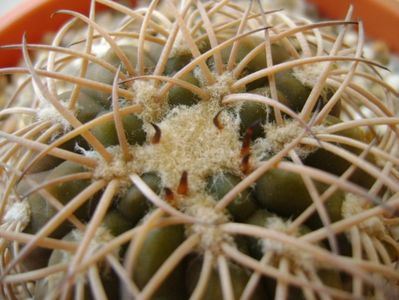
x: 46, y: 163
x: 326, y: 161
x: 109, y: 279
x: 133, y: 205
x: 285, y: 194
x: 181, y: 96
x: 293, y: 91
x: 259, y: 218
x: 42, y: 287
x: 100, y: 74
x: 282, y: 192
x: 49, y: 162
x: 279, y: 55
x: 239, y: 278
x: 134, y: 131
x: 333, y: 206
x: 38, y: 257
x: 392, y: 251
x: 242, y: 206
x: 64, y: 192
x: 325, y: 96
x: 87, y: 107
x: 294, y: 292
x: 159, y: 244
x: 42, y: 212
x: 247, y: 44
x: 331, y: 278
x: 242, y: 244
x: 253, y: 115
x: 177, y: 63
x: 133, y: 125
x: 106, y: 133
x: 24, y: 186
x: 116, y: 222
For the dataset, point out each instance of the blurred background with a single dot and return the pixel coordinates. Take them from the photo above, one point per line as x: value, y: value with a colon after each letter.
x: 6, y: 5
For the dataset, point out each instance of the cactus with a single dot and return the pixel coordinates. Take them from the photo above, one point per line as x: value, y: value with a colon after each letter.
x: 209, y: 150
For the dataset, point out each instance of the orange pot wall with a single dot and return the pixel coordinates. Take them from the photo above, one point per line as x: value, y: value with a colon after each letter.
x: 34, y: 18
x: 380, y: 17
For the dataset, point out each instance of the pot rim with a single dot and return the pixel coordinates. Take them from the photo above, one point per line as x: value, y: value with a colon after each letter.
x: 24, y: 19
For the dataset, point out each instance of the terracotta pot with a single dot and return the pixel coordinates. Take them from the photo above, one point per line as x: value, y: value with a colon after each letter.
x: 380, y: 17
x: 35, y: 17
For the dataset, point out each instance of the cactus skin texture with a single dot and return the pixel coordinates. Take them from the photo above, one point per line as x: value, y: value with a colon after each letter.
x: 202, y: 150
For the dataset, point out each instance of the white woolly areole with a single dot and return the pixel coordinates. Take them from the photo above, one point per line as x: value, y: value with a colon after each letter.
x: 353, y: 205
x: 18, y: 213
x: 308, y: 74
x: 263, y: 91
x: 50, y: 113
x: 276, y: 223
x: 202, y: 207
x: 220, y: 88
x: 189, y: 142
x: 277, y: 137
x: 118, y: 168
x: 147, y: 95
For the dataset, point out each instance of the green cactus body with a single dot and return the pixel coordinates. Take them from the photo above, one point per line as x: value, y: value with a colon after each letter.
x: 198, y: 152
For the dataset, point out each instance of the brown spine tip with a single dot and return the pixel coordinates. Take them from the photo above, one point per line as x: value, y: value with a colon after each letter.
x: 246, y: 143
x: 157, y: 136
x: 245, y: 166
x: 217, y: 122
x: 169, y: 195
x: 182, y: 189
